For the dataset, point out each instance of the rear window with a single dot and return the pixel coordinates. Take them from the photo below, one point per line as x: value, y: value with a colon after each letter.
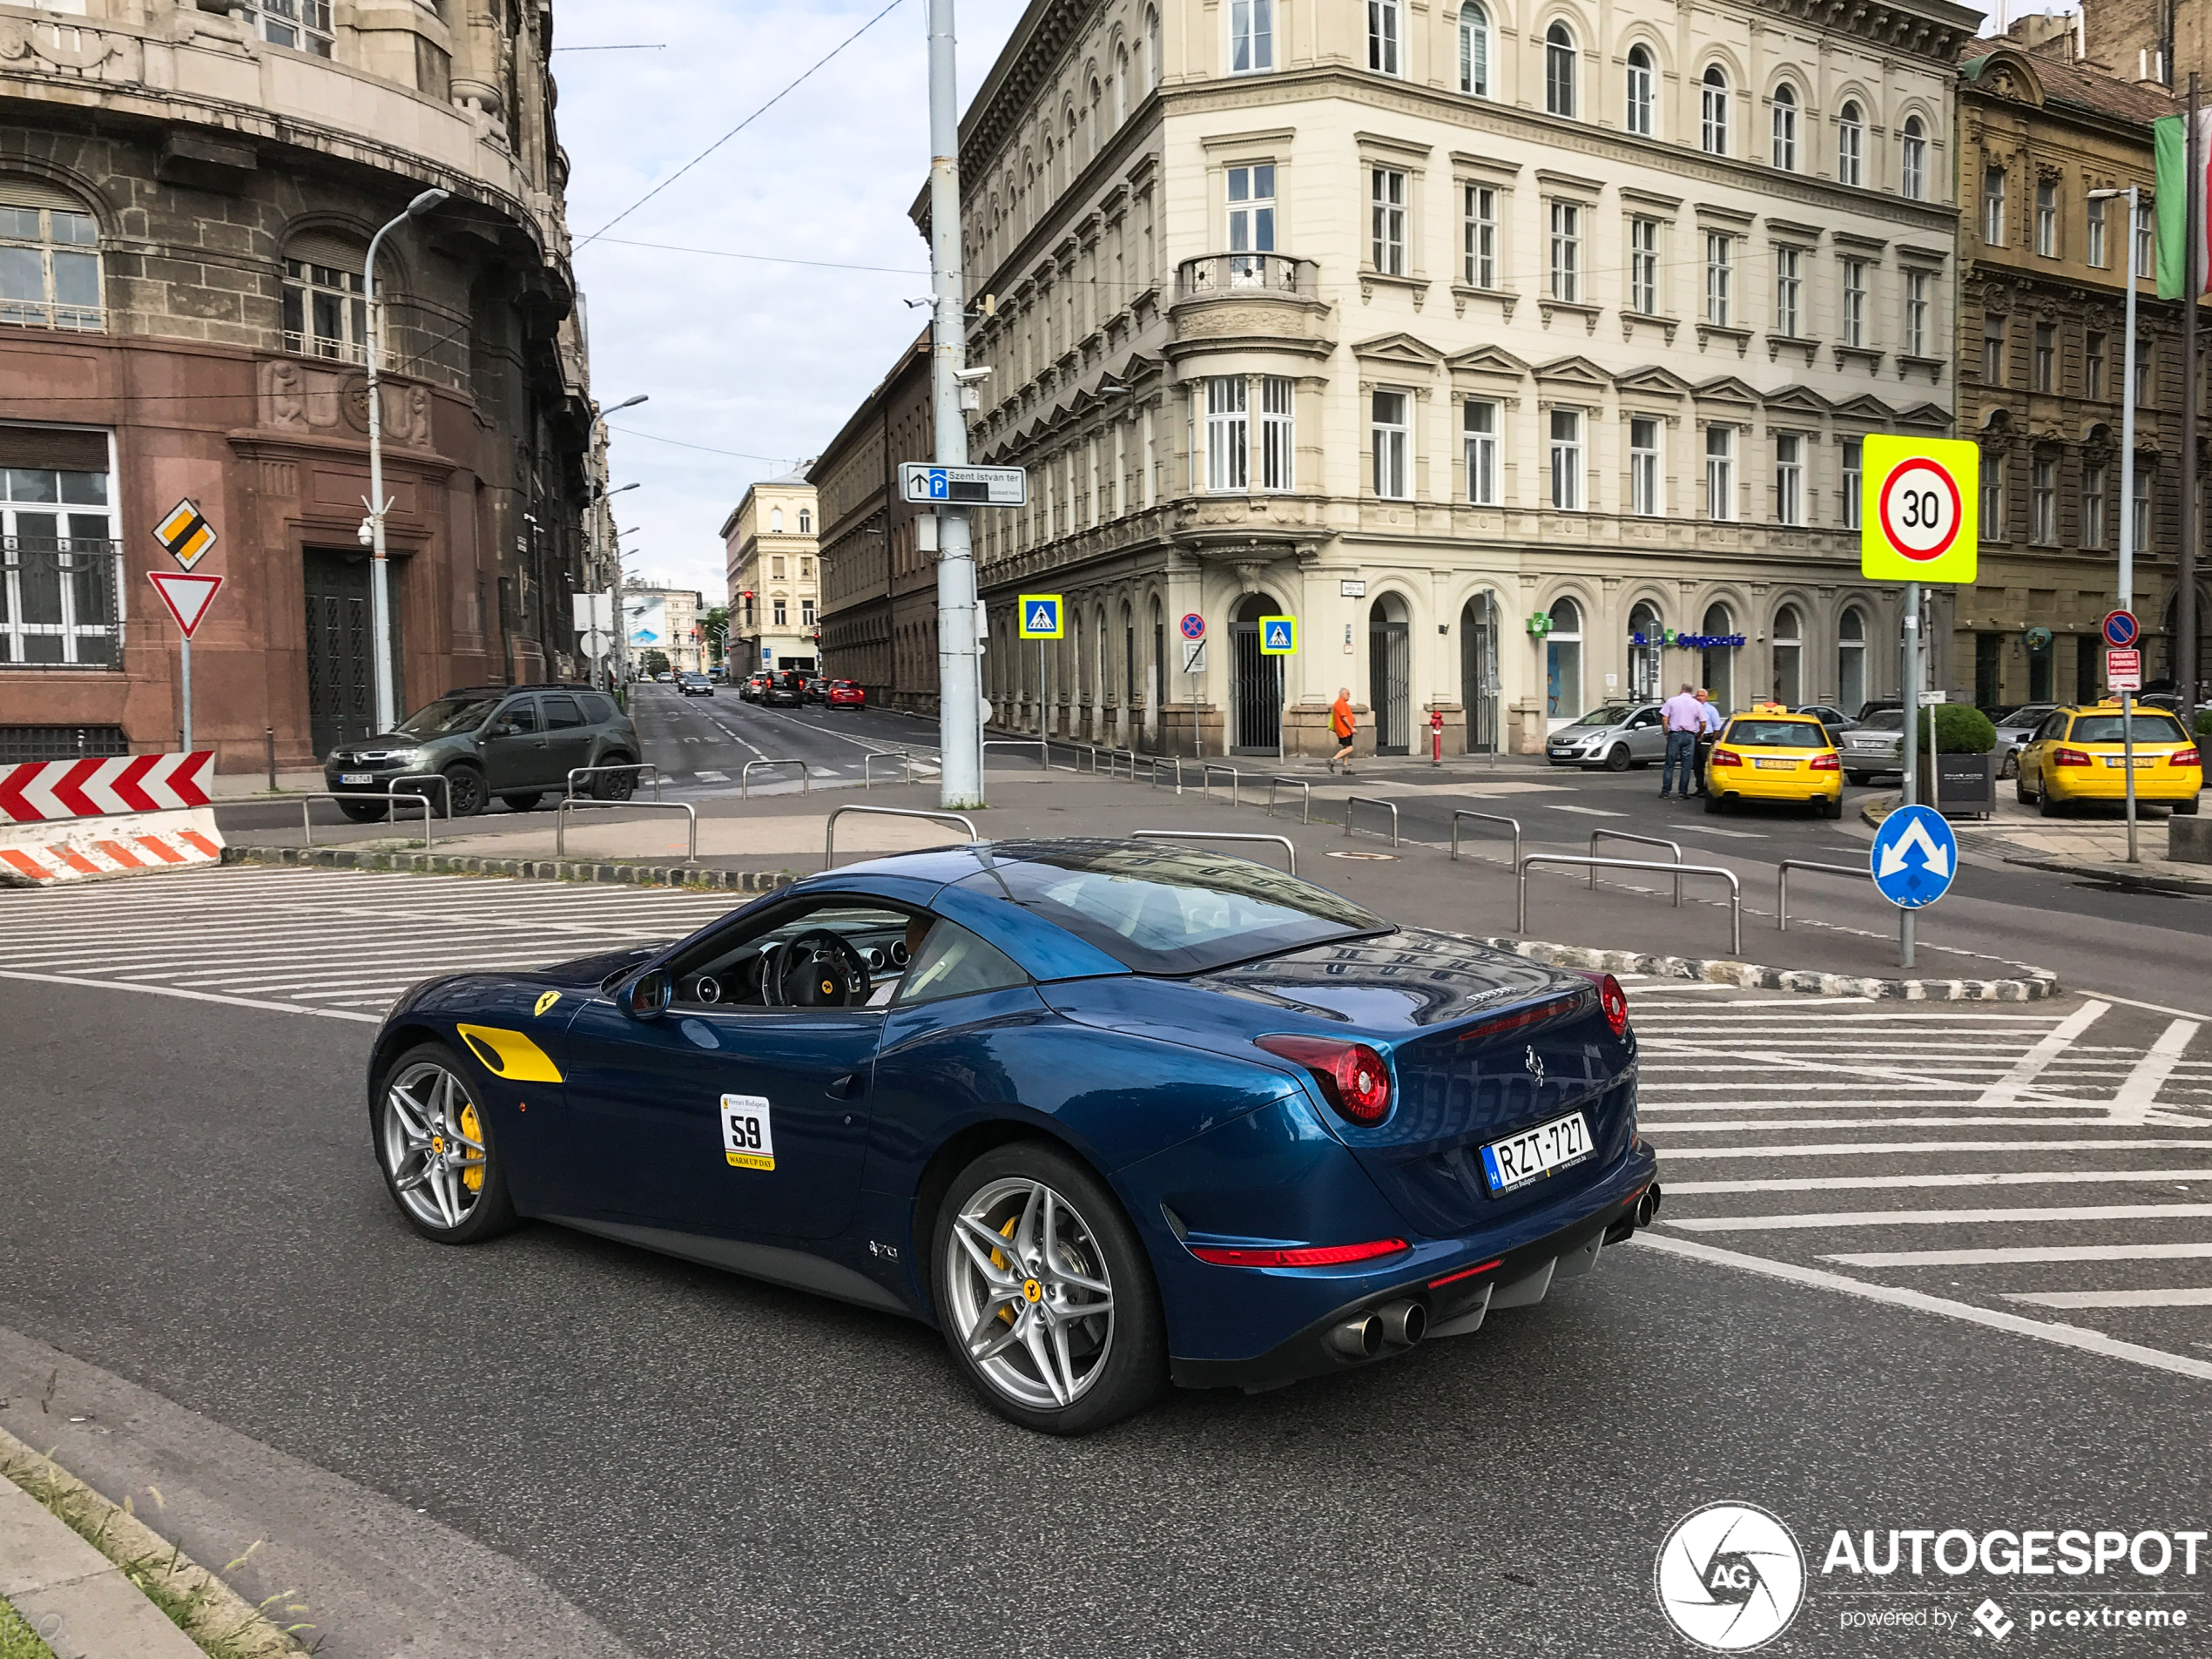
x: 2106, y: 728
x: 1776, y: 734
x: 599, y: 709
x: 1171, y: 912
x: 561, y: 714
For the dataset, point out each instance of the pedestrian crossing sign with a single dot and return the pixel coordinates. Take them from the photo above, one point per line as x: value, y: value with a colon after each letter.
x: 1042, y: 617
x: 1279, y: 635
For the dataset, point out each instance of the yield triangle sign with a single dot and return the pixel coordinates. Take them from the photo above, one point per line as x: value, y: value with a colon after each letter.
x: 188, y: 596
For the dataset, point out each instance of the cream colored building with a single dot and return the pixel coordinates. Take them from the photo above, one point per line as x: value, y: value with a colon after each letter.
x: 772, y: 554
x: 1487, y: 340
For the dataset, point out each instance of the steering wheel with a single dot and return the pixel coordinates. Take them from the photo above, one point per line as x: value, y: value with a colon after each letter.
x: 817, y: 969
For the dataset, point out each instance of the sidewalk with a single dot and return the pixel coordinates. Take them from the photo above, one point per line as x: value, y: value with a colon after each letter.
x: 2094, y: 844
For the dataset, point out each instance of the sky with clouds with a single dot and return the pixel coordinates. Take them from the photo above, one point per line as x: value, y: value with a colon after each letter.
x: 750, y: 364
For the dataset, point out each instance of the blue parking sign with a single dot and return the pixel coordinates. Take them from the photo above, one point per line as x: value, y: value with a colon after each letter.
x: 1042, y: 616
x: 1915, y: 857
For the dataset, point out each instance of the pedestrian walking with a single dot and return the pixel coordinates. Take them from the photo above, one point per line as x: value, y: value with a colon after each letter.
x: 1344, y: 725
x: 1680, y: 716
x: 1710, y: 720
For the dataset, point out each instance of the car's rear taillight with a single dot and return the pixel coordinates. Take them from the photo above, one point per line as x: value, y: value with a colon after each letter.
x: 1726, y: 757
x: 1826, y: 763
x: 1615, y: 1001
x: 1299, y: 1256
x: 1353, y: 1078
x: 2185, y: 758
x: 2071, y: 758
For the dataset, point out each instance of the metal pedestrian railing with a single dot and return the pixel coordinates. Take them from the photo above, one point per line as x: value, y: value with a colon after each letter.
x: 393, y: 801
x: 634, y: 768
x: 1864, y: 872
x: 1350, y: 801
x: 745, y: 777
x: 582, y: 803
x: 829, y: 830
x: 868, y: 760
x: 1039, y: 744
x: 1306, y: 796
x: 1290, y: 852
x: 1641, y: 841
x: 437, y: 778
x: 1486, y: 817
x: 1734, y: 887
x: 1206, y: 771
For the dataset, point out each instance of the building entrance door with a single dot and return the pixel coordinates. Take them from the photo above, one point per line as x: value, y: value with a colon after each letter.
x: 1256, y: 688
x: 1479, y: 684
x: 1389, y: 676
x: 341, y: 685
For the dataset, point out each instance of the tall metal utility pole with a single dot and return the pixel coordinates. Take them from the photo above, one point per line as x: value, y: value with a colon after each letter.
x: 2192, y: 514
x: 959, y: 737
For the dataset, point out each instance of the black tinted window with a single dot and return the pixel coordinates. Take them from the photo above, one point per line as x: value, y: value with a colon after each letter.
x: 597, y: 709
x: 561, y: 714
x: 460, y: 712
x: 518, y: 717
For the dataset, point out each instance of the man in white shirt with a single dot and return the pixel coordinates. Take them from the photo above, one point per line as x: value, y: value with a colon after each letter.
x: 1680, y: 715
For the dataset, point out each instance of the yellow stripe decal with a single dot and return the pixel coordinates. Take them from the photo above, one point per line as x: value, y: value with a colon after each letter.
x: 510, y: 1055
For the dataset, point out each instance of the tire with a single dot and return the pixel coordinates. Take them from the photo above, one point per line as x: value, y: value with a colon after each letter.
x: 524, y: 802
x: 2020, y: 791
x: 1832, y: 806
x: 2047, y: 805
x: 363, y: 812
x: 2186, y: 808
x: 426, y: 1113
x: 466, y: 793
x: 1862, y: 778
x: 1616, y: 757
x: 1712, y: 804
x: 2012, y: 767
x: 615, y: 786
x: 1124, y: 1368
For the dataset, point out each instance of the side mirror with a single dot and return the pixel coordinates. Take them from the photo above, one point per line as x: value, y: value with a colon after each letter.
x: 650, y: 995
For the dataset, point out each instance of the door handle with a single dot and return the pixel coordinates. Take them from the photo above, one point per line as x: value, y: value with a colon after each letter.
x: 849, y: 1087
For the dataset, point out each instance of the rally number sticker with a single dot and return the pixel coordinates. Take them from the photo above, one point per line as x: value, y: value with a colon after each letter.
x: 748, y: 1141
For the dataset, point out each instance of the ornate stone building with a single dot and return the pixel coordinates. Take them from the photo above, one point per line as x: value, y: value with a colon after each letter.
x: 186, y: 196
x: 1521, y: 348
x: 2040, y: 342
x: 771, y: 542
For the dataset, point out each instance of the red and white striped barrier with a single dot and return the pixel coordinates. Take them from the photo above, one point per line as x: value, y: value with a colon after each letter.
x: 96, y: 787
x: 101, y: 846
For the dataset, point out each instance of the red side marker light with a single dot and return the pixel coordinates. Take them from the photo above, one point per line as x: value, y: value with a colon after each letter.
x: 1300, y: 1256
x: 1464, y: 1272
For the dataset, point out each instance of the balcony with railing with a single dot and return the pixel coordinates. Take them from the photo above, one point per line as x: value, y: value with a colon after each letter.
x: 40, y: 313
x: 1264, y: 301
x: 59, y: 602
x: 1215, y: 275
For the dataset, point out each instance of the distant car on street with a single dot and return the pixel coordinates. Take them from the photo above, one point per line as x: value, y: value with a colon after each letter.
x: 847, y: 694
x: 663, y: 678
x: 2014, y: 727
x: 1828, y: 715
x: 518, y: 743
x: 1616, y: 736
x: 1772, y: 755
x: 1871, y: 748
x: 814, y: 688
x: 695, y: 684
x: 784, y: 690
x: 2081, y: 754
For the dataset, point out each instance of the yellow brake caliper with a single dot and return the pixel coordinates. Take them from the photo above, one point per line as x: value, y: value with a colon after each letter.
x: 472, y: 1177
x: 997, y: 1260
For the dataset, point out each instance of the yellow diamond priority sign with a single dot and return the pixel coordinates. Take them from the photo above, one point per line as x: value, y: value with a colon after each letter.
x: 1918, y: 510
x: 186, y: 534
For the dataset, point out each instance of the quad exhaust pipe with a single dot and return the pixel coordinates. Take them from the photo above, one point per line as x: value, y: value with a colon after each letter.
x: 1648, y: 1206
x: 1392, y: 1328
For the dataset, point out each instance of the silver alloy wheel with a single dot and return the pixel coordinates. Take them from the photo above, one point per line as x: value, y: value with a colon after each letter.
x: 1027, y: 1286
x: 428, y: 1152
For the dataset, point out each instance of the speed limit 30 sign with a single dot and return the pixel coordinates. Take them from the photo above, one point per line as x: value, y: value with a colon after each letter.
x: 1917, y: 515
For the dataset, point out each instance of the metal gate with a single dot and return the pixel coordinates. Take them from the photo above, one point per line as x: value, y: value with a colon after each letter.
x: 1390, y: 685
x: 1258, y: 694
x: 341, y: 689
x: 1478, y: 678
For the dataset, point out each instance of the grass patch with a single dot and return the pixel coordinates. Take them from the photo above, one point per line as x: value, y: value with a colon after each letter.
x: 18, y: 1639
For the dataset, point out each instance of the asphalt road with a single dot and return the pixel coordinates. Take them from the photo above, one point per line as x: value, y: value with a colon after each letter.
x: 702, y: 1466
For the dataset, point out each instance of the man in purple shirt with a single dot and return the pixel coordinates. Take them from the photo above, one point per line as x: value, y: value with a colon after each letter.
x: 1683, y: 719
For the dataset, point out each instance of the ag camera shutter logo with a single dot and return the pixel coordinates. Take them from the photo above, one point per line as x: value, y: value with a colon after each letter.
x: 1731, y: 1577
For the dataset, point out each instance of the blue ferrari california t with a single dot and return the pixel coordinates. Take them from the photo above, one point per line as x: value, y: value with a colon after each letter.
x: 1107, y: 1115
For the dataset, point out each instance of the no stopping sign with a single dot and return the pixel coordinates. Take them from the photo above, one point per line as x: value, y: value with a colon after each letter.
x: 1918, y: 517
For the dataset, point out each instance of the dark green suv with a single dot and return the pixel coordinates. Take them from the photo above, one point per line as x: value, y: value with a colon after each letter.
x: 519, y: 742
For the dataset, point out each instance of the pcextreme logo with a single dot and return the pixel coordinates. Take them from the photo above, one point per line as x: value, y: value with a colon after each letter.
x: 1731, y: 1577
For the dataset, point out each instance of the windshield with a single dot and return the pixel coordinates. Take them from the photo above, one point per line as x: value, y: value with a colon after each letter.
x: 1775, y: 734
x: 1169, y: 911
x: 1612, y: 714
x: 2149, y: 728
x: 462, y: 712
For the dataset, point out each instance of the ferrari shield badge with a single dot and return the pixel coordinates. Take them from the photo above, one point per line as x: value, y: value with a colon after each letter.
x: 748, y: 1141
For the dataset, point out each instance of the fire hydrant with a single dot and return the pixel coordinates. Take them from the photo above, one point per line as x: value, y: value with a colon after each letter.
x: 1436, y: 737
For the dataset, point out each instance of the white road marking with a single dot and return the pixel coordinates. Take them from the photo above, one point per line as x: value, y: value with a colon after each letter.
x: 1586, y: 811
x: 1733, y: 835
x: 191, y: 996
x: 2176, y: 1297
x: 712, y: 777
x: 2020, y: 1253
x: 1994, y: 1318
x: 1891, y: 1148
x: 1973, y: 1178
x: 2151, y: 1073
x: 2031, y: 1064
x: 1936, y: 1217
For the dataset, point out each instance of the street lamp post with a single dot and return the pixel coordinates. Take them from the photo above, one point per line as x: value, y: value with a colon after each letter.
x: 2127, y: 494
x: 620, y: 656
x: 380, y: 583
x: 594, y: 559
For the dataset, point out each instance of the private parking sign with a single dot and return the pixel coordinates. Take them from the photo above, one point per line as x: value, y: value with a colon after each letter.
x: 1043, y: 616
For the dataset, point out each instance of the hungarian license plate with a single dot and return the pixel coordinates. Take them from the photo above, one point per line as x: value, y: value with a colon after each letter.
x: 1776, y: 765
x: 2140, y: 760
x: 356, y: 777
x: 1536, y: 1153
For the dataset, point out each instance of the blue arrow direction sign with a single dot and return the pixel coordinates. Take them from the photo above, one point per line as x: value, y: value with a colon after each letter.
x: 1915, y: 857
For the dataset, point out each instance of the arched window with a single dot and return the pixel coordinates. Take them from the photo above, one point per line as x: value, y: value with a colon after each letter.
x: 1851, y: 661
x: 1851, y: 146
x: 1475, y: 51
x: 1642, y: 94
x: 1120, y: 84
x: 1563, y: 662
x: 1151, y: 65
x: 1097, y: 113
x: 1717, y: 663
x: 1712, y: 126
x: 1559, y: 70
x: 1789, y: 648
x: 1912, y: 170
x: 1646, y: 639
x: 775, y: 521
x: 1785, y: 129
x: 325, y: 309
x: 805, y: 525
x: 49, y: 264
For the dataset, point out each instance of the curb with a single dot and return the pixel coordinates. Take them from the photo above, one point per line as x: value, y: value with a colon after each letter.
x: 2034, y: 985
x: 2121, y: 876
x: 641, y: 875
x: 108, y: 1612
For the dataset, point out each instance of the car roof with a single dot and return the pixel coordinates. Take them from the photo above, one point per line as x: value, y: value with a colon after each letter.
x: 502, y: 690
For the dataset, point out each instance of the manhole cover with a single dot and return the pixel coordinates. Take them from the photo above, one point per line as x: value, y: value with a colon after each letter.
x: 1385, y: 857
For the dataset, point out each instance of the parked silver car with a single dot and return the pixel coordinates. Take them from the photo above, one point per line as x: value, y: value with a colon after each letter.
x: 1874, y: 746
x: 2014, y: 727
x: 1615, y: 736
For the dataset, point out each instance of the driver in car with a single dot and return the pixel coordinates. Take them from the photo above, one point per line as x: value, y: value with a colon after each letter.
x: 917, y: 930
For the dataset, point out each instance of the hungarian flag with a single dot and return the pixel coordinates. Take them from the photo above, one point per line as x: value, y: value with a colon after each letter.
x: 2176, y: 190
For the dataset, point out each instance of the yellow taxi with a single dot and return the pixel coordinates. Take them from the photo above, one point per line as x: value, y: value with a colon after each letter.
x: 1769, y: 753
x: 2079, y: 754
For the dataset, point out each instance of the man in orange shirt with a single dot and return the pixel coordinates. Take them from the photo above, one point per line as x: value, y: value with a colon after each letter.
x: 1346, y: 725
